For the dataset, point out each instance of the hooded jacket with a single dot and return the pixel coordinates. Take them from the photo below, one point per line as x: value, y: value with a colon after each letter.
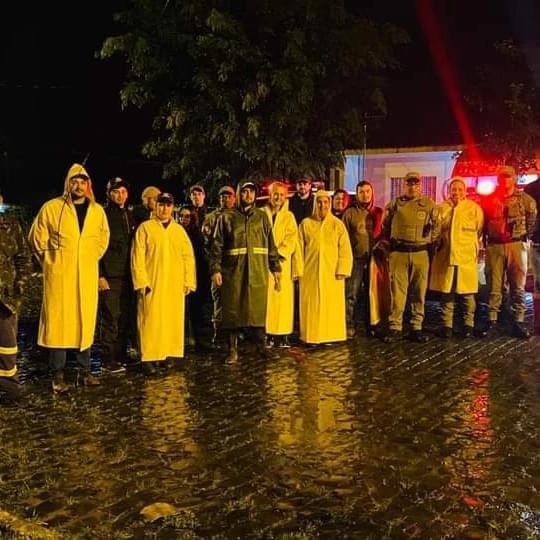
x: 243, y: 251
x: 70, y: 258
x: 324, y: 244
x: 363, y: 223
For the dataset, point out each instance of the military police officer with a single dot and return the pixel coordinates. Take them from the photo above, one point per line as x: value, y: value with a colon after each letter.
x: 15, y: 267
x: 412, y: 227
x: 510, y: 220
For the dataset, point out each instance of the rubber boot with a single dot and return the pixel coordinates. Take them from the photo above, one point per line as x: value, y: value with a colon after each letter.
x: 232, y: 356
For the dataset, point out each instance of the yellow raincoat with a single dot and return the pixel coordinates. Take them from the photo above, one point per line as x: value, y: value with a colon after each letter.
x: 163, y: 260
x: 461, y: 226
x: 280, y: 304
x: 70, y: 259
x: 327, y: 252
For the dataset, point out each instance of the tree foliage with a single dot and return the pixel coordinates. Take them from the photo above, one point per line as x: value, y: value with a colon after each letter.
x: 269, y: 87
x: 505, y: 100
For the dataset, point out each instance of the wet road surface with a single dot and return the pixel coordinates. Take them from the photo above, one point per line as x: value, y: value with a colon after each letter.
x: 358, y: 440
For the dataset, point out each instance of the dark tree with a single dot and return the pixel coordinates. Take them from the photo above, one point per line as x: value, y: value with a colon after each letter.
x: 505, y: 102
x: 269, y: 87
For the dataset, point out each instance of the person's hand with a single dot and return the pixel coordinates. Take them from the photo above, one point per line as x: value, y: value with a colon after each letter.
x: 277, y: 281
x: 340, y: 276
x: 103, y: 284
x: 143, y: 291
x: 217, y: 279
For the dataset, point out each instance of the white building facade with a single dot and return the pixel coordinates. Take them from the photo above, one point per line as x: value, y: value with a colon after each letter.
x: 385, y: 168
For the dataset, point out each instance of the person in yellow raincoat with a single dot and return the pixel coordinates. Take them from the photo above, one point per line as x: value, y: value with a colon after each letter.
x: 163, y: 271
x: 454, y: 268
x: 69, y: 235
x: 280, y: 303
x: 326, y: 249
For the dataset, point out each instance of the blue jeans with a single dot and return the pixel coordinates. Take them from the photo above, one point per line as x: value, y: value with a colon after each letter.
x: 354, y: 287
x: 57, y: 359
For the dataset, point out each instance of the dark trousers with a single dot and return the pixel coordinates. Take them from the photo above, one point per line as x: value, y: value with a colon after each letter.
x: 200, y: 310
x: 9, y: 382
x: 357, y: 287
x: 117, y: 319
x: 57, y: 360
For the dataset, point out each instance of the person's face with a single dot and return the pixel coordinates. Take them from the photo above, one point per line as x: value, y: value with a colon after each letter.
x: 303, y: 187
x: 323, y: 206
x: 78, y: 188
x: 338, y: 202
x: 412, y: 189
x: 278, y: 197
x: 457, y: 192
x: 185, y: 217
x: 364, y: 194
x: 226, y: 200
x: 247, y: 197
x: 119, y: 196
x: 150, y: 202
x: 164, y: 211
x: 507, y: 181
x: 197, y: 198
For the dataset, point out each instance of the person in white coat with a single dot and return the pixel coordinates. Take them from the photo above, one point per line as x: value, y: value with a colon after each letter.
x: 326, y: 249
x: 280, y: 302
x: 454, y: 268
x: 163, y: 271
x: 69, y: 235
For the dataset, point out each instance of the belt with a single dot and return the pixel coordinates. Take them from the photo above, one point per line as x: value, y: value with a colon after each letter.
x: 407, y: 248
x: 498, y: 242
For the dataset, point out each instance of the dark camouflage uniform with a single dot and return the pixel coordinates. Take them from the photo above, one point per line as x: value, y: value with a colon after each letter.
x: 15, y: 269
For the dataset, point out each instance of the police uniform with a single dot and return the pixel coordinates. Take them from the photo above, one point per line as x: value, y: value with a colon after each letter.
x: 533, y: 190
x: 412, y: 226
x: 15, y: 265
x: 510, y: 221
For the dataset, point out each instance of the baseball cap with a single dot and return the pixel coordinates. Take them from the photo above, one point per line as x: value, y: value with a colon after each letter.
x: 150, y: 191
x: 165, y: 198
x: 248, y: 185
x: 412, y: 178
x: 197, y: 187
x: 116, y: 183
x: 226, y: 189
x: 506, y: 170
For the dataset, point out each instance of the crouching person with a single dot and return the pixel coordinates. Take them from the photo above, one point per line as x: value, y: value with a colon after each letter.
x: 163, y: 271
x: 14, y: 272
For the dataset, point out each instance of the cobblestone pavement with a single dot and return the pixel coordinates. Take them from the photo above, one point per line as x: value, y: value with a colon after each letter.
x: 358, y: 440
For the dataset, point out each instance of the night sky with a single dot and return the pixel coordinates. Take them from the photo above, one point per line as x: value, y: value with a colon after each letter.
x: 59, y: 103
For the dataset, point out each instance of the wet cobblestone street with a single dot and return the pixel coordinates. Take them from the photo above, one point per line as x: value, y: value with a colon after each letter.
x: 359, y: 440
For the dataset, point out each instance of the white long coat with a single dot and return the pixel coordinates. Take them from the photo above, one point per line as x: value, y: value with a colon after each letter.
x: 280, y: 304
x: 70, y: 259
x: 461, y: 226
x: 327, y: 252
x: 163, y: 260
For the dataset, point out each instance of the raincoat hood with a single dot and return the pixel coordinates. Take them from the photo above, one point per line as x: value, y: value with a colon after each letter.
x: 319, y: 195
x: 76, y: 171
x: 241, y: 185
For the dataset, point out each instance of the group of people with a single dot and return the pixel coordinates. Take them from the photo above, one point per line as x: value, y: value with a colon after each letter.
x: 314, y: 262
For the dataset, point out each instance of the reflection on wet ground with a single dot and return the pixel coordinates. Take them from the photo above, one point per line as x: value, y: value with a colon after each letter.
x: 360, y: 440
